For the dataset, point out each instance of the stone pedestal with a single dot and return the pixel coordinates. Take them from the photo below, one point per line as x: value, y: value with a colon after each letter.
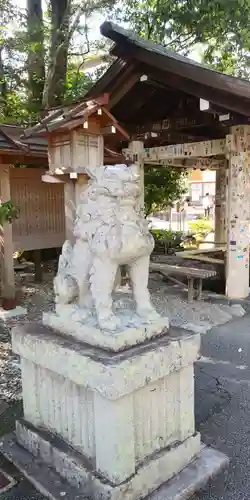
x: 114, y: 425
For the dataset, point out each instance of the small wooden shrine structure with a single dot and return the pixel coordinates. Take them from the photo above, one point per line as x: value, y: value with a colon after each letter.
x: 41, y: 221
x: 66, y: 140
x: 76, y: 136
x: 182, y: 114
x: 165, y: 110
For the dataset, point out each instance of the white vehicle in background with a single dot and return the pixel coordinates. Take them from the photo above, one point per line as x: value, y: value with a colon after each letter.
x: 156, y: 223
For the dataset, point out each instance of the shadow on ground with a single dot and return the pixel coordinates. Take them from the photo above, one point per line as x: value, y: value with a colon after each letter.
x: 223, y: 406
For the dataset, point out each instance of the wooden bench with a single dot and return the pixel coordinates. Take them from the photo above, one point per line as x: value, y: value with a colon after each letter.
x: 191, y: 273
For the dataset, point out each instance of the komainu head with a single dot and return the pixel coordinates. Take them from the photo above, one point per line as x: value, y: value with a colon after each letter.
x: 115, y: 181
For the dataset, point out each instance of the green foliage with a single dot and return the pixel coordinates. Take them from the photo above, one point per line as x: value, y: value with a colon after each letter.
x: 8, y: 212
x: 42, y: 55
x: 201, y: 228
x: 34, y: 50
x: 163, y: 186
x: 77, y: 84
x: 14, y: 109
x: 220, y: 27
x: 173, y: 239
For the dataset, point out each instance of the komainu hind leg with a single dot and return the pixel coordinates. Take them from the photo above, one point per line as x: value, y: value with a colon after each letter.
x: 102, y: 280
x: 139, y: 273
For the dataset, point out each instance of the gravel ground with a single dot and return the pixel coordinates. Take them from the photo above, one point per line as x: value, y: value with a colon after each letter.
x: 37, y: 298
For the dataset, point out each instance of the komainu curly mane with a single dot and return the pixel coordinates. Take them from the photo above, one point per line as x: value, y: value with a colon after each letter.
x: 109, y: 233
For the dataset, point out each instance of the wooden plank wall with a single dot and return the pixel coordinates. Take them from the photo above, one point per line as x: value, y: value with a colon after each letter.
x: 41, y: 223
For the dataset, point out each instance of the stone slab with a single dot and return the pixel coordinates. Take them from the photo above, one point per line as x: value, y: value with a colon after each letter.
x: 195, y: 476
x: 46, y: 481
x: 79, y: 471
x: 114, y: 341
x: 192, y: 478
x: 110, y: 374
x: 12, y: 313
x: 6, y: 482
x: 3, y: 406
x: 201, y: 328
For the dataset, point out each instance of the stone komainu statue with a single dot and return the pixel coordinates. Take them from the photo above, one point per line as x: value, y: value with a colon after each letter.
x: 108, y: 233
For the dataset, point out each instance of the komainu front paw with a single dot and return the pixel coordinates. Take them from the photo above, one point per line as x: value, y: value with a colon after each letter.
x: 80, y: 314
x: 148, y: 314
x: 110, y: 323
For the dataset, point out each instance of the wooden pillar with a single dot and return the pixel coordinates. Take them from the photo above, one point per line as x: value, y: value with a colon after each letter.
x: 220, y: 204
x: 238, y: 216
x: 69, y: 208
x: 8, y: 277
x: 136, y: 151
x: 94, y: 157
x: 37, y: 256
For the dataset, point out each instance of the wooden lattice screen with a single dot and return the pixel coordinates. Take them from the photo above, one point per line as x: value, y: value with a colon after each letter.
x: 41, y: 223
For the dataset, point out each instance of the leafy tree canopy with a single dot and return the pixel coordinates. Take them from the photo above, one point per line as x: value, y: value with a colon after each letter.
x: 42, y: 53
x: 220, y: 27
x: 163, y: 186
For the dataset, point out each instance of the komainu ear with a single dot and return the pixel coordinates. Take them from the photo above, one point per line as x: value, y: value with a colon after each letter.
x: 92, y: 172
x: 134, y: 169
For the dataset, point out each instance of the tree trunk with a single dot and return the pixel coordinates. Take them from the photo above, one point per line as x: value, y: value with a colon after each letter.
x: 57, y: 70
x: 3, y: 82
x: 36, y: 67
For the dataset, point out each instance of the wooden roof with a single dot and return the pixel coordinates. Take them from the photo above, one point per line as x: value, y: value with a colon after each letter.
x: 155, y: 90
x: 92, y: 114
x: 15, y: 150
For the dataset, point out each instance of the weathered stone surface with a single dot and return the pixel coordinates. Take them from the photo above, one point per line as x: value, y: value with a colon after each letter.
x: 112, y: 375
x: 194, y: 476
x: 130, y: 414
x: 114, y: 341
x: 12, y: 313
x: 71, y: 466
x: 109, y: 233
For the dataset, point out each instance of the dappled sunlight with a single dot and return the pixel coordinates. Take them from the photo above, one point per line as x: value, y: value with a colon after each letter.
x: 207, y: 360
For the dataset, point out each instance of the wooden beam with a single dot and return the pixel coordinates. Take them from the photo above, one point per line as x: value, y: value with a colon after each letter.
x: 14, y: 158
x: 225, y: 118
x: 56, y: 113
x: 136, y: 147
x: 108, y: 130
x: 8, y: 278
x: 39, y: 126
x: 120, y: 81
x: 72, y: 123
x: 153, y: 138
x: 116, y: 123
x: 124, y: 89
x: 191, y: 164
x: 172, y: 155
x: 220, y: 98
x: 37, y: 256
x: 175, y: 124
x: 188, y: 150
x: 238, y: 140
x: 188, y: 77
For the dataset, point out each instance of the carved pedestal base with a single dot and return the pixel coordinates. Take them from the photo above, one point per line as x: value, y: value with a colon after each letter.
x: 116, y: 426
x: 91, y: 334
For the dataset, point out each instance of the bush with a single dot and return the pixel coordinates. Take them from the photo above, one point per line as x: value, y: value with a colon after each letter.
x: 201, y: 228
x: 168, y: 239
